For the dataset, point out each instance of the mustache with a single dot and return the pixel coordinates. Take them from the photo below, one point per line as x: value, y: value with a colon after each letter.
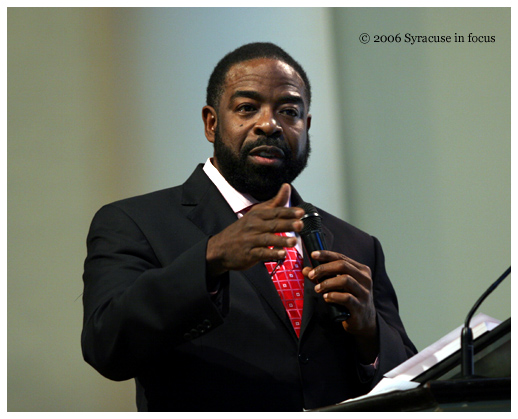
x: 267, y: 141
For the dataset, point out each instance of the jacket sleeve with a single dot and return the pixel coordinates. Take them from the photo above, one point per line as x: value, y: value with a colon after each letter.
x: 395, y: 345
x: 134, y: 308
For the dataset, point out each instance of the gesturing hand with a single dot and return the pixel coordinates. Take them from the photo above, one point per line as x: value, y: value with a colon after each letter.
x: 249, y: 240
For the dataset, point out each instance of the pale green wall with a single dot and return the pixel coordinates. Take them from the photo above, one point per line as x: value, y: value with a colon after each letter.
x: 411, y: 143
x: 427, y: 151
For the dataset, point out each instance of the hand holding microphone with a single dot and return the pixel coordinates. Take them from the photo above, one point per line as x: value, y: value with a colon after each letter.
x: 344, y: 283
x: 313, y: 240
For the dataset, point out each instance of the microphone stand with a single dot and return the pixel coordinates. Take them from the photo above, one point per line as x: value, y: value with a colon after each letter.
x: 467, y: 347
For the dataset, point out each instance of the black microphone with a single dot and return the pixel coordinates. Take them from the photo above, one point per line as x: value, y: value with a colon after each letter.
x: 467, y: 344
x: 313, y: 240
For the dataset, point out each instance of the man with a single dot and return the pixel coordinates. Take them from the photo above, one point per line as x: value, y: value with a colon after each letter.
x: 181, y: 289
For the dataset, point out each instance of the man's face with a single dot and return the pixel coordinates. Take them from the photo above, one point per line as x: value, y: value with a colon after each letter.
x: 260, y: 131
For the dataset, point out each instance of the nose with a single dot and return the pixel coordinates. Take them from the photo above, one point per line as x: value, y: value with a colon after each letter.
x: 267, y: 124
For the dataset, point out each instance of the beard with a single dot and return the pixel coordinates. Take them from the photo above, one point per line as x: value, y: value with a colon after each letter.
x: 262, y: 182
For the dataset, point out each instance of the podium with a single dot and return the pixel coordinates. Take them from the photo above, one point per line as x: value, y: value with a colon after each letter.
x: 442, y: 387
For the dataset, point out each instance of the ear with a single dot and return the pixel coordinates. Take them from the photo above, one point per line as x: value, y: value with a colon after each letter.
x: 210, y: 120
x: 308, y: 122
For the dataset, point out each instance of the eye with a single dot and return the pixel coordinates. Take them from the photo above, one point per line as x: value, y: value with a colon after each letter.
x: 291, y: 112
x: 245, y: 108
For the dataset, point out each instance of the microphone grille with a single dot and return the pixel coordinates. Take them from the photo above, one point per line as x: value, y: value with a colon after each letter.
x: 311, y: 218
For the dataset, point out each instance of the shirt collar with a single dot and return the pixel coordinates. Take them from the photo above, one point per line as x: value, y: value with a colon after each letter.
x: 237, y: 201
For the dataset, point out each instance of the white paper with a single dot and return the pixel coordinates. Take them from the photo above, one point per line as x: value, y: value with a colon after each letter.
x: 386, y: 385
x: 441, y: 349
x: 400, y: 377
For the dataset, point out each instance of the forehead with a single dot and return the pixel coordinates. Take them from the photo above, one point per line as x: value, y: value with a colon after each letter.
x: 265, y: 75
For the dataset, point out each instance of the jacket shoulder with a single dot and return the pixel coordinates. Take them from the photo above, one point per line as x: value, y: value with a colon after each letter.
x: 149, y: 200
x: 337, y: 225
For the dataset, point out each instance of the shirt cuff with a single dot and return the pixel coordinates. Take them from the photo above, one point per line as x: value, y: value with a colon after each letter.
x: 367, y: 372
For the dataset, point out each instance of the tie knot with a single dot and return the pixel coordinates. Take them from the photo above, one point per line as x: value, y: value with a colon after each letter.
x: 242, y: 212
x: 246, y: 209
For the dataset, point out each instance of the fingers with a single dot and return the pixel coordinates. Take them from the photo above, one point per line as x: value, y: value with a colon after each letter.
x: 343, y: 289
x: 233, y: 249
x: 269, y: 240
x: 252, y: 238
x: 346, y: 282
x: 334, y: 264
x: 341, y: 280
x: 281, y: 199
x: 273, y: 216
x: 267, y: 254
x: 255, y: 224
x: 328, y: 256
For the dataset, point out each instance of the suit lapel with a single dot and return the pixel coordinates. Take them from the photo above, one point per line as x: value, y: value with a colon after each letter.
x: 205, y: 205
x: 211, y: 213
x: 258, y: 276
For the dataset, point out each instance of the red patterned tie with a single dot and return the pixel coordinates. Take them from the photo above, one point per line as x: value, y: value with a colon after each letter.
x: 289, y: 282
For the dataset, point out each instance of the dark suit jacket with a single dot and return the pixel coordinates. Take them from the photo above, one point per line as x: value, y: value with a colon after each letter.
x: 148, y: 314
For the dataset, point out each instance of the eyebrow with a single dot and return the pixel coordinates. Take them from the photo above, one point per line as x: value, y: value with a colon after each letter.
x: 252, y: 94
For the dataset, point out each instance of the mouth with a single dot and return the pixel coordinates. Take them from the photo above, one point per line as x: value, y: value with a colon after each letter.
x: 267, y: 155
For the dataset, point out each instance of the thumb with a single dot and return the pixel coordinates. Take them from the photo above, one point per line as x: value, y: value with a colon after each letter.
x: 281, y: 198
